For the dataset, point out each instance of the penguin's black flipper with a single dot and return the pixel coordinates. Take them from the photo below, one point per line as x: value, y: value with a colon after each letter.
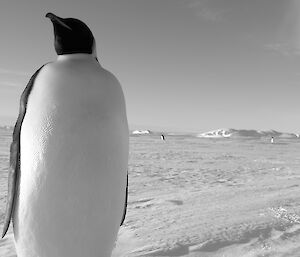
x: 14, y: 168
x: 125, y: 206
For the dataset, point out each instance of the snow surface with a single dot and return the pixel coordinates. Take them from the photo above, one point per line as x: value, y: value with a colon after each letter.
x: 199, y: 197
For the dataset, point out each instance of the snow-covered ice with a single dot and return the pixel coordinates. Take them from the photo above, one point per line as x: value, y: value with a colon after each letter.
x: 189, y: 196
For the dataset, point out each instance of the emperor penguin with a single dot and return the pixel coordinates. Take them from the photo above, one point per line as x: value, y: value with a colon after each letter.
x: 68, y: 179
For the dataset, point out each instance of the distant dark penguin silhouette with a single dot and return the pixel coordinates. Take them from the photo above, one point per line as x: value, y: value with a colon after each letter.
x: 162, y: 137
x: 69, y: 155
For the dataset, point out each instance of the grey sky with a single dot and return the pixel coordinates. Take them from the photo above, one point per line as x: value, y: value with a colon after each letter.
x: 184, y: 65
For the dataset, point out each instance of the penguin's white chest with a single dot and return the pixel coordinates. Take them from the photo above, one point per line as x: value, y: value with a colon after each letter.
x: 74, y: 154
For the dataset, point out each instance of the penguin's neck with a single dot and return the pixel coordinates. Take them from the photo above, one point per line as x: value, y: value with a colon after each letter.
x: 68, y: 57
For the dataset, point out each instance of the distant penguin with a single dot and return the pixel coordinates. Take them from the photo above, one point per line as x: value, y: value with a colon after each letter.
x: 162, y: 137
x: 69, y: 156
x: 272, y: 140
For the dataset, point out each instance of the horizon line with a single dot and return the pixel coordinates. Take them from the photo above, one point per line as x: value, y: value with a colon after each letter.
x: 133, y: 127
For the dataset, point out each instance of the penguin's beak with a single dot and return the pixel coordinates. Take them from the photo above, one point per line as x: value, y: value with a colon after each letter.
x: 56, y: 19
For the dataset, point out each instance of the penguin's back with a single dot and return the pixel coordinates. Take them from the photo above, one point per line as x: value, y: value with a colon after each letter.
x: 74, y: 157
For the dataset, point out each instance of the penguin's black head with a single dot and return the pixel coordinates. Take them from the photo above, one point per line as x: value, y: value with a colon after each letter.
x: 71, y: 35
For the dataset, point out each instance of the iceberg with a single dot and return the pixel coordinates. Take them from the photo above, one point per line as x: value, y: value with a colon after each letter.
x: 245, y: 133
x: 141, y: 132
